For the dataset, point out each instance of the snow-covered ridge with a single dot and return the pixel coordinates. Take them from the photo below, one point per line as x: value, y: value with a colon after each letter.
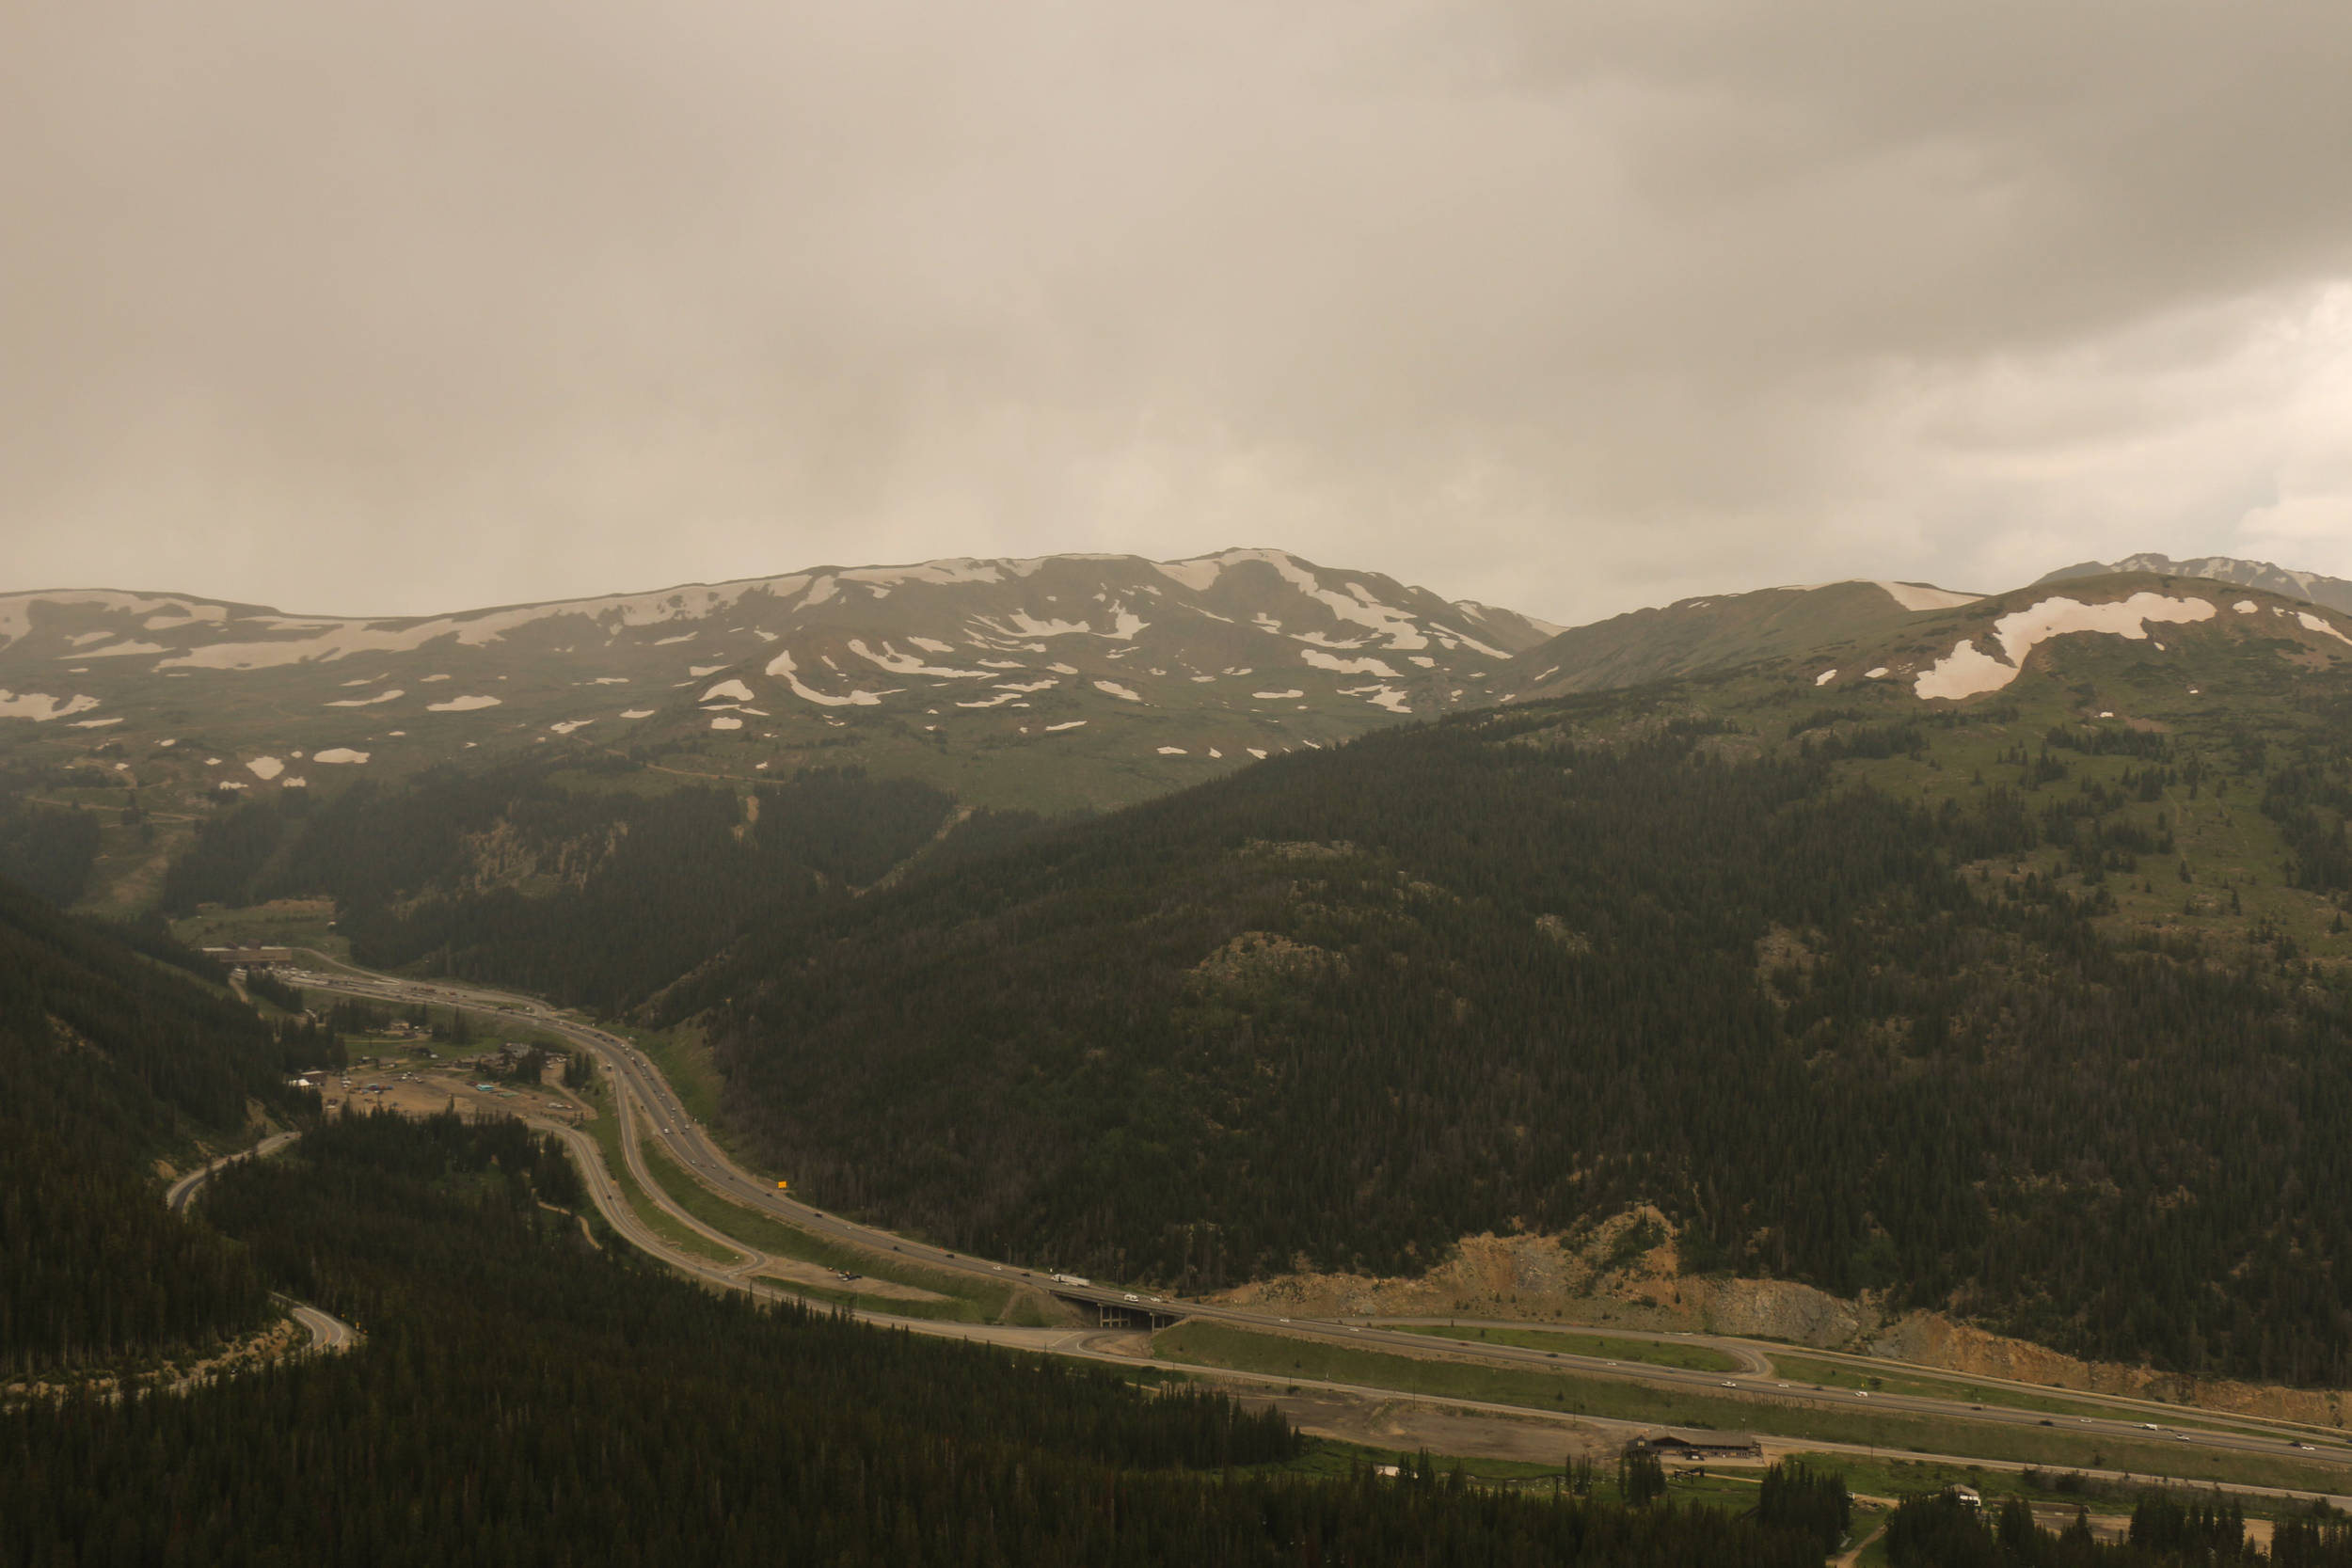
x: 1925, y: 596
x: 1014, y: 643
x: 218, y: 637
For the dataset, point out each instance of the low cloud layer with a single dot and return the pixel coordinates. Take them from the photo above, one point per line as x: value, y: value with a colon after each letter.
x: 378, y: 308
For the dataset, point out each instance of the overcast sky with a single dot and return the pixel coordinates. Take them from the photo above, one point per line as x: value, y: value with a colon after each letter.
x: 1572, y: 305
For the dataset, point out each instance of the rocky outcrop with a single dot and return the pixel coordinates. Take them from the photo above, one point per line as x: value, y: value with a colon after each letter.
x: 1932, y: 1339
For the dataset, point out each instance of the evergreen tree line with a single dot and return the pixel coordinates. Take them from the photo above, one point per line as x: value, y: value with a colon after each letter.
x: 1345, y: 1008
x: 1794, y: 1496
x: 47, y: 849
x: 2310, y: 799
x: 107, y: 1061
x: 1942, y: 1531
x: 523, y: 1399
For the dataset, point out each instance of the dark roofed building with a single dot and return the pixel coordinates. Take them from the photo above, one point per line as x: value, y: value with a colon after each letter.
x: 1684, y: 1444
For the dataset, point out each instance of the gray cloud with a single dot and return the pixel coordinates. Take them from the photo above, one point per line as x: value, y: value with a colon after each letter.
x: 1571, y: 308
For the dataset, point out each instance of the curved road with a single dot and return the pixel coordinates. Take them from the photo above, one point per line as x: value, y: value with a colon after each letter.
x: 183, y: 1192
x: 328, y: 1332
x: 690, y: 1144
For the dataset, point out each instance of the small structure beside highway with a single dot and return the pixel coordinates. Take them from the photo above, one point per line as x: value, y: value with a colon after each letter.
x: 1687, y: 1446
x: 251, y: 957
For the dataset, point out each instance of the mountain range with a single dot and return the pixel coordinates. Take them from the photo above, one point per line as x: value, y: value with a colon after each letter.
x: 2027, y: 909
x: 1134, y: 676
x: 1048, y: 684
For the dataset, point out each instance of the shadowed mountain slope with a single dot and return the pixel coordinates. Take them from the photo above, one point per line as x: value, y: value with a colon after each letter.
x: 1937, y: 996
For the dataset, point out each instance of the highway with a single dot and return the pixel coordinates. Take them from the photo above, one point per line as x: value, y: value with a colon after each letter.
x: 641, y: 1091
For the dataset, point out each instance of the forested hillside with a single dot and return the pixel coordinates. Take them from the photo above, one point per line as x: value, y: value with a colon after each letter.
x: 579, y: 884
x: 1949, y: 1003
x: 109, y: 1058
x: 523, y: 1399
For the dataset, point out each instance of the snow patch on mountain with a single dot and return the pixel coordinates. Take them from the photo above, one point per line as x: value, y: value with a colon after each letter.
x: 1379, y: 696
x: 2313, y: 623
x: 958, y: 570
x: 370, y: 702
x: 1347, y: 666
x: 461, y: 705
x: 782, y: 668
x: 898, y: 663
x: 1923, y: 595
x: 1356, y: 605
x: 41, y: 707
x: 1198, y: 574
x: 1968, y: 671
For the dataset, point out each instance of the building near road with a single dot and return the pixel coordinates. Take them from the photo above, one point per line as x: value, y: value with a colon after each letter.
x: 1687, y: 1446
x: 251, y: 957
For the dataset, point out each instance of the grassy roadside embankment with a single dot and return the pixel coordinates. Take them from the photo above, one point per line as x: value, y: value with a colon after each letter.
x: 605, y: 1129
x: 1833, y: 1374
x: 685, y: 1064
x: 1655, y: 1353
x: 1279, y: 1355
x: 964, y: 1300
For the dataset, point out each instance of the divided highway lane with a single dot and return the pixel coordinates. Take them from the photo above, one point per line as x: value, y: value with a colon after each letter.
x: 691, y: 1146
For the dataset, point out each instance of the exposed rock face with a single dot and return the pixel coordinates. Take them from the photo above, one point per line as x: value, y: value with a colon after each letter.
x: 1625, y: 1274
x: 1933, y: 1340
x: 1781, y: 1309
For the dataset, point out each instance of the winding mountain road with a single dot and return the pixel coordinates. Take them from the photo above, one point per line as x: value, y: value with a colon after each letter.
x: 328, y: 1332
x: 644, y: 1098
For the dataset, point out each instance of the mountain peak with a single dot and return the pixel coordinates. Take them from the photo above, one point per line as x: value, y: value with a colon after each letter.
x: 2313, y: 587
